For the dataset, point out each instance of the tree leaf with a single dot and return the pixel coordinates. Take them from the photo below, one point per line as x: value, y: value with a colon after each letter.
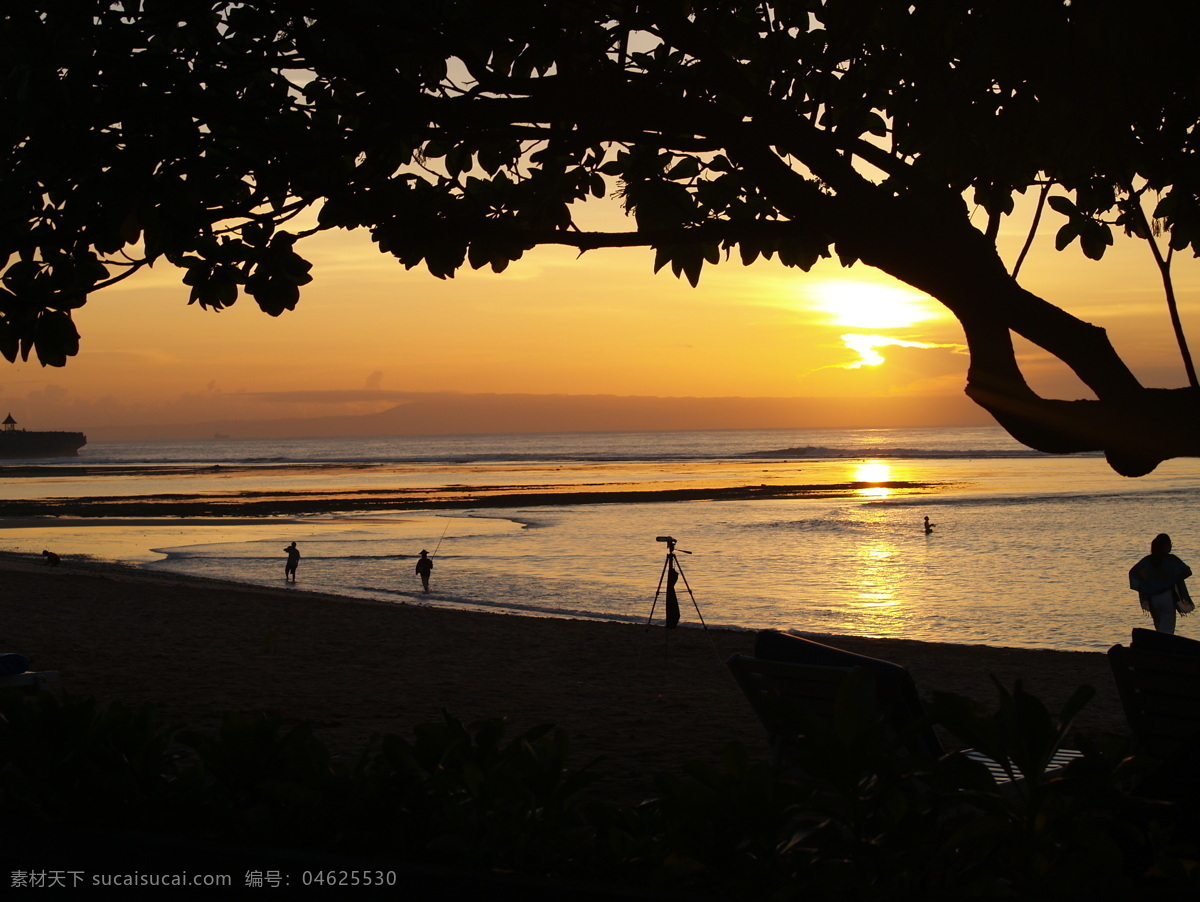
x: 1095, y: 238
x: 1065, y: 235
x: 1062, y: 205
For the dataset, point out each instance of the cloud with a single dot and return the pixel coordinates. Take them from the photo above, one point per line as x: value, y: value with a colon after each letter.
x: 867, y: 347
x: 902, y: 367
x: 327, y: 396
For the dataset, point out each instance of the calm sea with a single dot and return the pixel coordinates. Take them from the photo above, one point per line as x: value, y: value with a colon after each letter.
x: 1028, y: 550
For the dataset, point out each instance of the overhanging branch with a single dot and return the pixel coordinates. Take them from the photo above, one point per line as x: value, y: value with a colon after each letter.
x: 725, y: 233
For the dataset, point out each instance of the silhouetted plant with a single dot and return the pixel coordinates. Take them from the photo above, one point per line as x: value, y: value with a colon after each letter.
x: 103, y: 765
x: 257, y: 779
x: 468, y: 797
x: 854, y: 816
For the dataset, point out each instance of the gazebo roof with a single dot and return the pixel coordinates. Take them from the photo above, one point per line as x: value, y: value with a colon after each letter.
x: 10, y: 421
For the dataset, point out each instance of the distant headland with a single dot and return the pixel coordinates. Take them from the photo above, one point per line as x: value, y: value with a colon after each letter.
x: 21, y: 444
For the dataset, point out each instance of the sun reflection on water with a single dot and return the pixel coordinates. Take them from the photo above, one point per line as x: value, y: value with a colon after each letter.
x: 873, y: 579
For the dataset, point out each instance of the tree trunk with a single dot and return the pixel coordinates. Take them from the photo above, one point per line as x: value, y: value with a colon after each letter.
x: 933, y: 247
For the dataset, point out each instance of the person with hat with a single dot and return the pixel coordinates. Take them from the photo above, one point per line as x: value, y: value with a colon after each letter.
x: 424, y: 568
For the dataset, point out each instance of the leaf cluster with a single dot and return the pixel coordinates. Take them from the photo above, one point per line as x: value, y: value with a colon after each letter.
x: 465, y: 132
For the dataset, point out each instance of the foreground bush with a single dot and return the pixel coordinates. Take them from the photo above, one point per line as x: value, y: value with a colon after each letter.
x: 856, y: 817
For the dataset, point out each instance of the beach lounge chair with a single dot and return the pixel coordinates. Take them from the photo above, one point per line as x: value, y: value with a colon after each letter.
x: 30, y: 680
x: 14, y: 674
x: 1158, y: 679
x: 789, y: 672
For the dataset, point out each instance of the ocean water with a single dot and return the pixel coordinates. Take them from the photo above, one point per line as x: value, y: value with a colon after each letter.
x: 1028, y: 550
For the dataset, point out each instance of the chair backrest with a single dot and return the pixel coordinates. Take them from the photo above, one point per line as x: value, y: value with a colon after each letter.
x: 1160, y: 693
x: 782, y: 694
x: 1167, y: 643
x: 894, y: 685
x: 765, y: 683
x: 793, y: 670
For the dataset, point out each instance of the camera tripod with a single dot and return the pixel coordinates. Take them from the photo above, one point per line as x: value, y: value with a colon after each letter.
x: 672, y: 573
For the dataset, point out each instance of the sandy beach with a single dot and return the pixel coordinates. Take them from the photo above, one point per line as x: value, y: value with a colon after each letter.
x: 640, y: 700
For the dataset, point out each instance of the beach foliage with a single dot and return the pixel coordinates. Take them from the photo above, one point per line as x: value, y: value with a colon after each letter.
x: 256, y: 777
x: 468, y: 796
x: 217, y: 136
x: 855, y: 816
x: 73, y: 755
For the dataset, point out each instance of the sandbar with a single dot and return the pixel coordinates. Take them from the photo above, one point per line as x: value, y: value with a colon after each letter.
x: 264, y: 503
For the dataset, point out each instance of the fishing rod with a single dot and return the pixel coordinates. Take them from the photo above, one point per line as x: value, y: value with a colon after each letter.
x: 439, y: 544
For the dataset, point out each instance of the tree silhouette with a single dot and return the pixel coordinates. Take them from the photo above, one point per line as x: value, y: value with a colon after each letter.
x: 462, y: 132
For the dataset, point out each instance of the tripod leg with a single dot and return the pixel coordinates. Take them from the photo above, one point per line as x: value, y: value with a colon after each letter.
x: 698, y: 614
x: 658, y: 591
x: 650, y: 619
x: 672, y: 620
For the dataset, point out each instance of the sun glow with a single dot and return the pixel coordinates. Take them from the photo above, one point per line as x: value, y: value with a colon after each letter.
x: 871, y: 305
x: 872, y: 471
x: 864, y: 304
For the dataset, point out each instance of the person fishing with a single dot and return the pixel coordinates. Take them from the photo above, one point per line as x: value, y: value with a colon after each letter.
x: 1158, y: 578
x: 293, y: 561
x: 424, y: 568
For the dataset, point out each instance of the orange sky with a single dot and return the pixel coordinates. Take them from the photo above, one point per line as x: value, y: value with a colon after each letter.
x: 366, y: 329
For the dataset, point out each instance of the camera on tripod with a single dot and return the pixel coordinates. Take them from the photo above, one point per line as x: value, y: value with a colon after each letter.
x: 671, y: 542
x: 672, y: 573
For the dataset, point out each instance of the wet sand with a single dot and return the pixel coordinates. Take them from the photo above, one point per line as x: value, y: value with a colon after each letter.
x: 641, y: 700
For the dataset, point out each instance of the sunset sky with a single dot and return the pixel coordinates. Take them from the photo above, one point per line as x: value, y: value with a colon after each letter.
x: 367, y: 332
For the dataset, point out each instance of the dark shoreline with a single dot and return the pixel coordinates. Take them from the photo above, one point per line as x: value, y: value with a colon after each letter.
x: 640, y: 699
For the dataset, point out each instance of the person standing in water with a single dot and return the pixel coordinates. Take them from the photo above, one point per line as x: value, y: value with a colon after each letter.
x: 1158, y: 578
x: 424, y: 568
x: 293, y: 561
x: 929, y: 527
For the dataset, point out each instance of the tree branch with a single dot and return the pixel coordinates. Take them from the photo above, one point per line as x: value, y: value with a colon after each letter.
x: 1164, y: 271
x: 1033, y: 227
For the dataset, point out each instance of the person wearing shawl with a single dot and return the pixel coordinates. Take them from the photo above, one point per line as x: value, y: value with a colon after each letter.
x: 1158, y: 580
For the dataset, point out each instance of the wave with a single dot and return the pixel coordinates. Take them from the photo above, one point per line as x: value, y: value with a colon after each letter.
x: 203, y: 460
x: 599, y: 448
x: 815, y: 452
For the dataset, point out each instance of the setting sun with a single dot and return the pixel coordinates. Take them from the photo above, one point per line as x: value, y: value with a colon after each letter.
x: 862, y: 304
x: 867, y: 304
x: 872, y: 471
